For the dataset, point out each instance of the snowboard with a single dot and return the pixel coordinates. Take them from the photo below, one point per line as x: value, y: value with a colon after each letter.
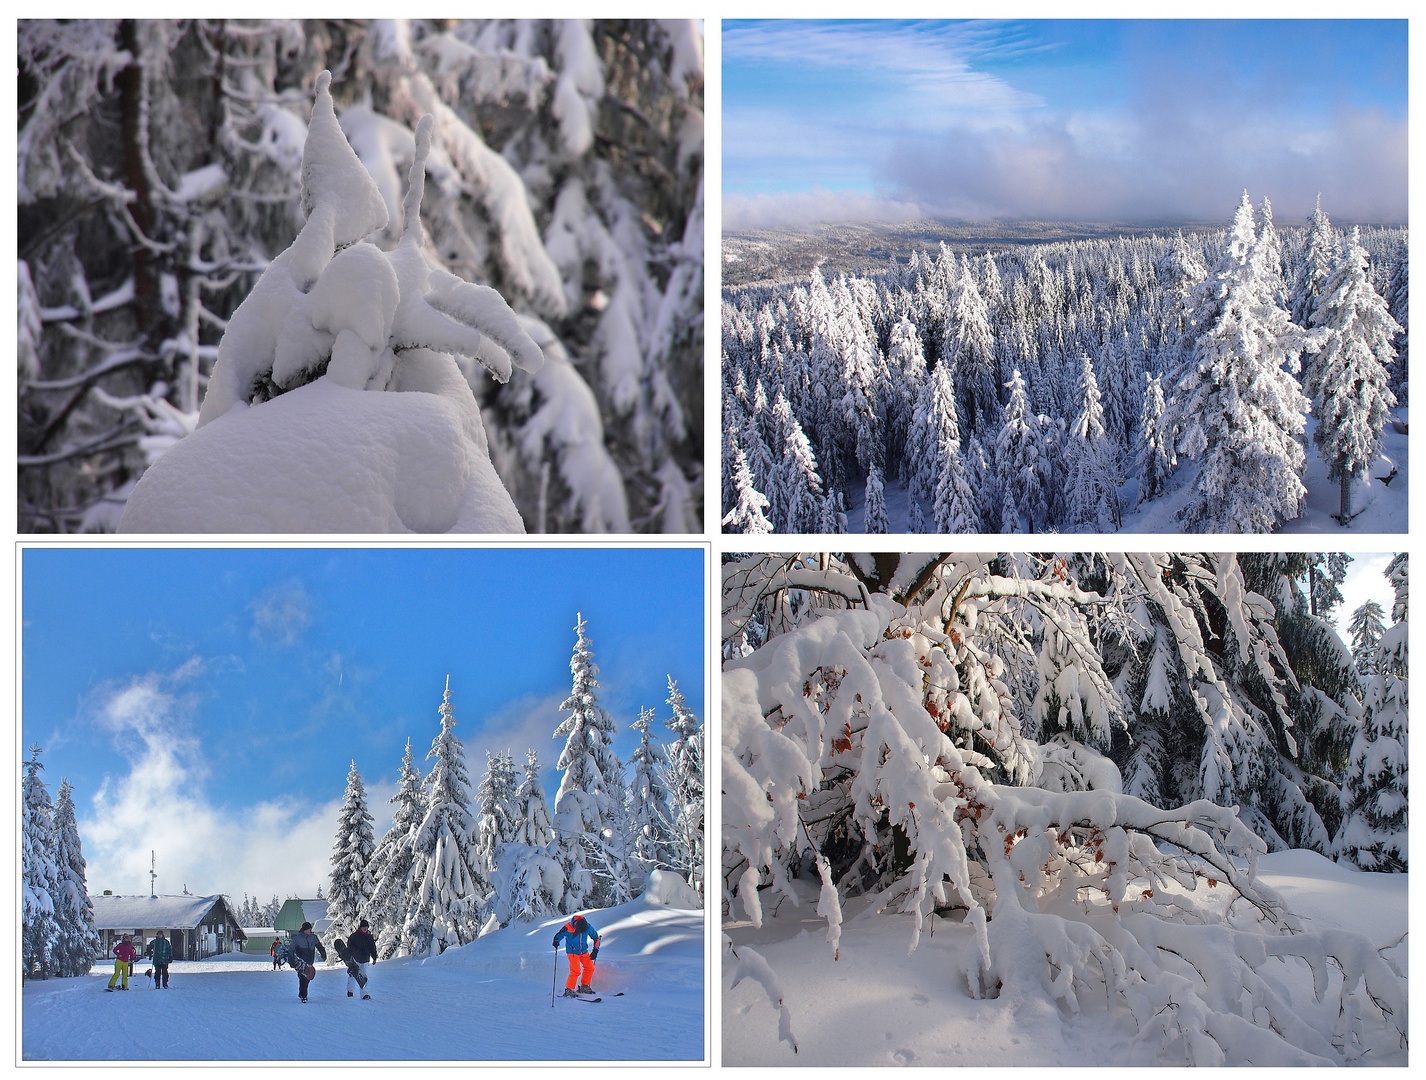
x: 344, y: 954
x: 297, y: 964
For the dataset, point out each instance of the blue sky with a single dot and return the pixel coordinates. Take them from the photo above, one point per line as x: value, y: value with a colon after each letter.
x: 1060, y: 120
x: 208, y: 702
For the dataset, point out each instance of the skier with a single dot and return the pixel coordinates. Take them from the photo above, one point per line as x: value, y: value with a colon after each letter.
x: 276, y: 963
x: 581, y: 946
x: 304, y: 946
x: 160, y: 951
x: 123, y: 964
x: 363, y: 949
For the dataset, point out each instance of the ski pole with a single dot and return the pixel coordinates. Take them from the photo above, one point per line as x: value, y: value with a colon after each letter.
x: 555, y: 977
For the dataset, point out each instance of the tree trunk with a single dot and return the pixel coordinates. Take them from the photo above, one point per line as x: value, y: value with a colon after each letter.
x: 1346, y: 478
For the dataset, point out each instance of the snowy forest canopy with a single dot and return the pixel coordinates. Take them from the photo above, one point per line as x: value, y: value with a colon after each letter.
x: 159, y: 177
x: 1055, y: 387
x: 1086, y: 753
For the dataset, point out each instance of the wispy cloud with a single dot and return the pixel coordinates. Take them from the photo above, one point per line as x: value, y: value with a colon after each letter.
x: 281, y: 614
x: 155, y: 799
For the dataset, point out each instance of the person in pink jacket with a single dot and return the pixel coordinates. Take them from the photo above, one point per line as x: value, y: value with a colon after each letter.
x: 123, y: 964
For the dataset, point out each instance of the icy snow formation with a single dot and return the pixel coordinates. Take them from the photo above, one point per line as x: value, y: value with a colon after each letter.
x: 288, y: 437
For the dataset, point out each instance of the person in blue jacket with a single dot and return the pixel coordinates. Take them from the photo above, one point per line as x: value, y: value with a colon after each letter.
x: 581, y: 946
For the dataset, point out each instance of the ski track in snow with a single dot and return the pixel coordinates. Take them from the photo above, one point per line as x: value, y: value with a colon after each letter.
x: 488, y: 1001
x: 878, y: 1006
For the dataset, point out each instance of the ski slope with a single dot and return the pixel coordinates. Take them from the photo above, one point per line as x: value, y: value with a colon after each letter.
x: 487, y: 1001
x: 877, y: 1006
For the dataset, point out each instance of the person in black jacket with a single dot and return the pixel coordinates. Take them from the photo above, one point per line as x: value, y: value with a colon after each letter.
x: 305, y: 945
x: 362, y: 946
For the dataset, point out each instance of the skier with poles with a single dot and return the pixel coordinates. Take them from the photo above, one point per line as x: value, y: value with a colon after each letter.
x: 123, y: 964
x: 581, y: 946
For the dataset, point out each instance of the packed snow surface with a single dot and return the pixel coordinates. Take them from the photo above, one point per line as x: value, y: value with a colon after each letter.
x: 877, y: 1005
x: 487, y: 1001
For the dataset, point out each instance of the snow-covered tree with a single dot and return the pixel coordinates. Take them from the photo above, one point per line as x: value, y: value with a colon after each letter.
x: 1318, y: 258
x: 1234, y: 404
x: 647, y: 803
x: 352, y: 884
x: 1367, y: 627
x: 1374, y: 832
x: 683, y: 779
x: 77, y: 945
x: 1092, y: 502
x: 39, y: 874
x: 876, y: 742
x: 747, y: 514
x: 535, y: 825
x: 955, y: 507
x: 875, y: 518
x: 447, y: 887
x: 1021, y: 465
x: 589, y: 806
x: 496, y: 821
x: 1154, y: 458
x: 392, y: 862
x: 1347, y: 378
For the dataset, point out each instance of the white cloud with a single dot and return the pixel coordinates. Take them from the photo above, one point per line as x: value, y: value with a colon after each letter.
x: 281, y: 613
x: 160, y: 804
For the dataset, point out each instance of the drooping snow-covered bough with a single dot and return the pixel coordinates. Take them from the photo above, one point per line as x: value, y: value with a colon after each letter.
x: 336, y: 404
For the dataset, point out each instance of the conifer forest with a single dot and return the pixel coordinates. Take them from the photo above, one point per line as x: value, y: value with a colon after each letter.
x: 1061, y: 386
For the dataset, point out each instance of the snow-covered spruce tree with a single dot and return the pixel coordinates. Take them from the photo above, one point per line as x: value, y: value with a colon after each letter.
x: 1347, y: 378
x: 528, y: 880
x: 1319, y: 256
x: 683, y: 779
x: 536, y: 827
x: 647, y: 801
x: 589, y: 221
x: 1154, y: 457
x: 1398, y: 298
x: 1092, y: 503
x: 351, y: 883
x: 393, y: 860
x: 589, y: 806
x: 874, y: 518
x: 495, y: 799
x: 1374, y: 834
x: 78, y: 944
x: 39, y: 875
x: 956, y: 510
x: 1021, y: 465
x: 1233, y: 403
x: 447, y: 888
x: 875, y: 742
x: 1367, y: 627
x: 332, y: 318
x: 747, y: 514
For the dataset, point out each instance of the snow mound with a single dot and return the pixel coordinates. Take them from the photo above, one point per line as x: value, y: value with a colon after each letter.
x: 670, y: 890
x: 325, y: 458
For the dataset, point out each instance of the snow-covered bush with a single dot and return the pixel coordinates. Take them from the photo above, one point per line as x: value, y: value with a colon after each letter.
x: 914, y: 729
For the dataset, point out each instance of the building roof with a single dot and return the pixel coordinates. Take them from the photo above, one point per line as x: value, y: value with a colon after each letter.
x: 297, y: 911
x: 150, y: 912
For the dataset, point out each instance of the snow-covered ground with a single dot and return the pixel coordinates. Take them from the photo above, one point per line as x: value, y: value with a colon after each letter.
x: 487, y: 1001
x: 877, y: 1005
x: 1382, y: 506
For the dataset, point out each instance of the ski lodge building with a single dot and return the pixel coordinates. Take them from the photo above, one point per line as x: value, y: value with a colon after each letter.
x: 198, y: 926
x: 295, y: 912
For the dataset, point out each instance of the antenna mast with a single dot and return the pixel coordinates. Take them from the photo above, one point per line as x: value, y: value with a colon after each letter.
x: 153, y: 873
